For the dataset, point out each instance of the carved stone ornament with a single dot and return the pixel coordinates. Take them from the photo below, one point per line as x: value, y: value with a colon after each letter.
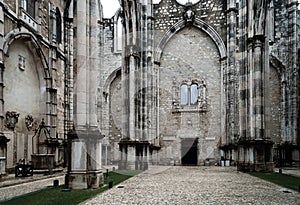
x: 189, y: 14
x: 11, y: 119
x: 30, y: 123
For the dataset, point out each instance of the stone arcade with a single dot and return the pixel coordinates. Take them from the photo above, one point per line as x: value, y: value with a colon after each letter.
x: 169, y: 83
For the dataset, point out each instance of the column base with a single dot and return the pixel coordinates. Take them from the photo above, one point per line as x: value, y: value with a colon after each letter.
x: 255, y: 155
x: 85, y: 180
x: 84, y: 168
x: 134, y: 155
x: 251, y: 167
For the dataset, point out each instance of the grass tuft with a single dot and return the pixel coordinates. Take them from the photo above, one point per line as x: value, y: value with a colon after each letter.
x: 284, y: 180
x: 56, y: 195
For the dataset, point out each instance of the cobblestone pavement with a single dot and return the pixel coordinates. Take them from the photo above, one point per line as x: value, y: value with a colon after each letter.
x: 196, y: 185
x: 27, y: 186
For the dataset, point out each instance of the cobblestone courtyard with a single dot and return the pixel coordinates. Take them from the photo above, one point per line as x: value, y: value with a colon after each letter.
x: 196, y: 185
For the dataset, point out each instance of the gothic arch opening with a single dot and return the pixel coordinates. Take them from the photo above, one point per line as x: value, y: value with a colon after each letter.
x: 25, y: 96
x: 190, y: 57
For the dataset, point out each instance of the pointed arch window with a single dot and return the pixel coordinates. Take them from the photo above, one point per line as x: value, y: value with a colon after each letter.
x: 58, y: 26
x: 184, y: 94
x: 194, y: 94
x: 118, y: 29
x: 189, y: 93
x: 190, y: 96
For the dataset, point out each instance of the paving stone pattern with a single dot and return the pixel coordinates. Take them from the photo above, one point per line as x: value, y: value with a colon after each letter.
x: 196, y: 185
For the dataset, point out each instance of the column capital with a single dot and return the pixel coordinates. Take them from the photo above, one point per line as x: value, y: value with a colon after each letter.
x: 131, y: 50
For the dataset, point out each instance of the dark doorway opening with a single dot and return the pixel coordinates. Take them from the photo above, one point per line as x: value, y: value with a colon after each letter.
x: 189, y: 151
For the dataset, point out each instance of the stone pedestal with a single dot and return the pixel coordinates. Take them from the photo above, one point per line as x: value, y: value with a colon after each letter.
x: 42, y: 161
x: 255, y: 155
x: 134, y: 155
x: 3, y: 151
x: 84, y: 166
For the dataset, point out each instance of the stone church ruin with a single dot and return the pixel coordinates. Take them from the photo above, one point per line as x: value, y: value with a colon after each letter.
x: 159, y: 83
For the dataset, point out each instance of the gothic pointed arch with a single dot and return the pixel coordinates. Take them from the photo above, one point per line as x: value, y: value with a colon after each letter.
x: 15, y: 35
x: 198, y: 23
x: 113, y: 75
x: 32, y: 70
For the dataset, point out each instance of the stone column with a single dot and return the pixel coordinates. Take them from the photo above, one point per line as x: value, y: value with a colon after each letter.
x: 85, y: 140
x: 293, y: 87
x: 230, y: 82
x: 3, y: 139
x: 255, y: 151
x: 134, y: 79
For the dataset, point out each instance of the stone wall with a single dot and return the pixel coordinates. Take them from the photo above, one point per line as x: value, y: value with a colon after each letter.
x: 34, y: 79
x: 189, y: 55
x: 169, y: 12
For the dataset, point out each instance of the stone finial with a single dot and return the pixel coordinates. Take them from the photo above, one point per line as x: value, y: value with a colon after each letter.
x: 11, y: 119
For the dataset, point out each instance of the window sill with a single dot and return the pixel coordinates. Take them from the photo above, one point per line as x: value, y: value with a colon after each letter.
x: 189, y: 109
x: 27, y: 19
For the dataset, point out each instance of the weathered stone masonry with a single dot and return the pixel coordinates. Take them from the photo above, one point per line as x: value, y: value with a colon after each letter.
x: 255, y: 121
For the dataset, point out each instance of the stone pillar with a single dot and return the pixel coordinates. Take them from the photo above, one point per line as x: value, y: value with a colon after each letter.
x: 3, y: 139
x: 292, y: 135
x: 254, y: 148
x: 84, y: 169
x: 230, y: 83
x: 135, y: 82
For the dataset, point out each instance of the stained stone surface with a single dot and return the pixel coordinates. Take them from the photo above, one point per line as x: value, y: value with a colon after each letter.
x: 196, y: 185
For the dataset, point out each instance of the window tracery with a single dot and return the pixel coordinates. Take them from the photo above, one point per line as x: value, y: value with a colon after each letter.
x: 189, y: 95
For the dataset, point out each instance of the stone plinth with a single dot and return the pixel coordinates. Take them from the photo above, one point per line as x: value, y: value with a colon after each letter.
x: 84, y: 166
x: 3, y: 150
x: 134, y: 155
x: 255, y: 155
x: 42, y: 161
x: 2, y: 165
